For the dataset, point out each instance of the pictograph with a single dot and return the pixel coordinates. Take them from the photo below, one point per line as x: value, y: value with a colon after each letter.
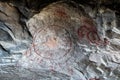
x: 91, y: 34
x: 60, y: 12
x: 50, y: 44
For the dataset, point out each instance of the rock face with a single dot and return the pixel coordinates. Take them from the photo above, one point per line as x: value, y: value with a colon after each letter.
x: 14, y: 39
x: 62, y: 41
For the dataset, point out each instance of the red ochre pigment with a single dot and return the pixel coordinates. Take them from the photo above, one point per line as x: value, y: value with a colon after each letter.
x: 66, y: 40
x: 60, y: 12
x: 94, y: 78
x: 90, y: 33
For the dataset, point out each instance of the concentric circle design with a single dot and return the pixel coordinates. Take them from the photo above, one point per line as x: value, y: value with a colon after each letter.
x: 52, y: 42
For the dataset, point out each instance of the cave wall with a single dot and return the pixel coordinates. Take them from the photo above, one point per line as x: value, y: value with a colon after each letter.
x: 59, y: 40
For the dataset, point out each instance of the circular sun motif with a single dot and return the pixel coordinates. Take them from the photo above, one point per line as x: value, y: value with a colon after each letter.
x: 52, y: 42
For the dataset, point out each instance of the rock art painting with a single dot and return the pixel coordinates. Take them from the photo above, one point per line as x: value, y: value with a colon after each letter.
x: 62, y: 41
x: 90, y: 32
x: 47, y: 44
x: 60, y: 12
x: 53, y: 46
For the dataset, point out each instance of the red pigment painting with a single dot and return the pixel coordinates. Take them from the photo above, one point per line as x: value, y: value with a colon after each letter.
x: 89, y: 31
x: 94, y: 78
x: 49, y: 44
x: 60, y: 12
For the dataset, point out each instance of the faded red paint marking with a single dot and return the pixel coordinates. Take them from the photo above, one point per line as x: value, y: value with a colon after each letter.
x: 89, y: 31
x: 49, y: 54
x: 34, y: 49
x: 93, y: 37
x: 94, y: 78
x: 88, y: 22
x: 60, y: 12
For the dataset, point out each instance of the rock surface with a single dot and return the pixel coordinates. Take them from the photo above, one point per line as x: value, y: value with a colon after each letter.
x: 62, y: 41
x: 14, y: 39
